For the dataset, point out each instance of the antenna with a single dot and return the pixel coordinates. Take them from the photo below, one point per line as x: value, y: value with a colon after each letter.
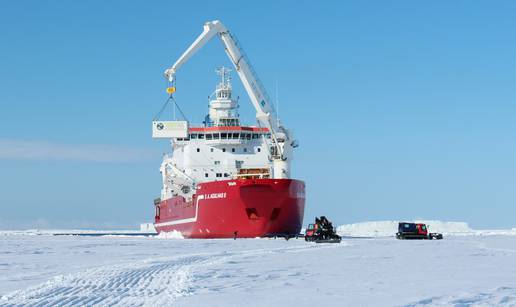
x: 225, y: 77
x: 277, y: 101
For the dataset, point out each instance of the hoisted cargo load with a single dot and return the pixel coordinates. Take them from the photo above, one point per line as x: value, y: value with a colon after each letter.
x: 169, y: 129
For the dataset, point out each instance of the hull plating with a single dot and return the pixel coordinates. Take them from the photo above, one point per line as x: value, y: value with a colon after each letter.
x: 248, y: 207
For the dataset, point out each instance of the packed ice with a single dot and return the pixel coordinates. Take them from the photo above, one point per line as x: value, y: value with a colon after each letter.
x: 369, y: 268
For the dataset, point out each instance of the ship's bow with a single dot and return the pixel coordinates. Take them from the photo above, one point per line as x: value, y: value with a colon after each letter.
x: 273, y: 206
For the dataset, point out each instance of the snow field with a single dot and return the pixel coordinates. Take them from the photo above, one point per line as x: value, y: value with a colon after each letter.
x: 145, y: 271
x: 389, y: 228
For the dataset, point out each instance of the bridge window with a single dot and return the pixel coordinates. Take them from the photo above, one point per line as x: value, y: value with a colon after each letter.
x: 248, y: 136
x: 216, y: 136
x: 235, y: 136
x: 193, y: 136
x: 209, y: 136
x: 255, y: 135
x: 201, y: 136
x: 223, y: 136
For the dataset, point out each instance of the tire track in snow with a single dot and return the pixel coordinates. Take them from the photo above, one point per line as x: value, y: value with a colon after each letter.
x: 502, y: 296
x: 143, y: 284
x: 155, y: 282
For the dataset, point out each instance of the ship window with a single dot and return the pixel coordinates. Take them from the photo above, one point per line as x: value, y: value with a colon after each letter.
x: 216, y: 136
x: 248, y: 136
x: 219, y: 175
x: 245, y: 149
x: 217, y: 162
x: 157, y: 212
x: 198, y: 150
x: 232, y: 150
x: 223, y: 149
x: 223, y: 136
x: 179, y: 139
x: 211, y: 149
x: 259, y: 149
x: 235, y: 136
x: 209, y: 136
x: 226, y: 175
x: 201, y: 136
x: 206, y: 175
x: 193, y: 136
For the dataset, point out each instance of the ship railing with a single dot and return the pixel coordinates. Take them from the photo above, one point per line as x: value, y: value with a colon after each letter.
x: 225, y: 141
x: 252, y: 176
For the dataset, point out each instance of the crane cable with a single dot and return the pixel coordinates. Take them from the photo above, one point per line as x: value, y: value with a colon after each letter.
x: 170, y: 98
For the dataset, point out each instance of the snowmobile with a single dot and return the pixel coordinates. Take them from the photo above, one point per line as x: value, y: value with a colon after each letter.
x: 321, y: 231
x: 416, y: 232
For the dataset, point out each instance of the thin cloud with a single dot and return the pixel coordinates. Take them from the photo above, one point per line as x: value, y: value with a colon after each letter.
x: 15, y: 149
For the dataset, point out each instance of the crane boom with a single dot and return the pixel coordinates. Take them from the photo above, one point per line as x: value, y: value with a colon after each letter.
x: 282, y: 138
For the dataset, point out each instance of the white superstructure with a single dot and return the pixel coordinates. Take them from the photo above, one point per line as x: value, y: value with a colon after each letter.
x: 223, y: 149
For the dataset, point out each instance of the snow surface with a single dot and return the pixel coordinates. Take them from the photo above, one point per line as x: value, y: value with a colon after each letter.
x: 47, y: 270
x: 38, y: 232
x: 170, y: 235
x: 389, y: 228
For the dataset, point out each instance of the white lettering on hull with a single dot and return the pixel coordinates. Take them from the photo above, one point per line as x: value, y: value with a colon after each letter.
x: 215, y: 195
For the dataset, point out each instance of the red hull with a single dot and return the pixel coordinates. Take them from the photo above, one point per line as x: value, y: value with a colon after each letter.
x: 248, y: 207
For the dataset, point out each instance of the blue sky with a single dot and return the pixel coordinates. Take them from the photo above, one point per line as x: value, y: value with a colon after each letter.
x: 403, y: 109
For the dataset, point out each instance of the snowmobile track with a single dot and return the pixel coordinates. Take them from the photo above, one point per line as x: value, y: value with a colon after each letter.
x: 156, y: 282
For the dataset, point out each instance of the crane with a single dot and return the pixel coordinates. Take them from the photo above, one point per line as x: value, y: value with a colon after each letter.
x: 282, y: 138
